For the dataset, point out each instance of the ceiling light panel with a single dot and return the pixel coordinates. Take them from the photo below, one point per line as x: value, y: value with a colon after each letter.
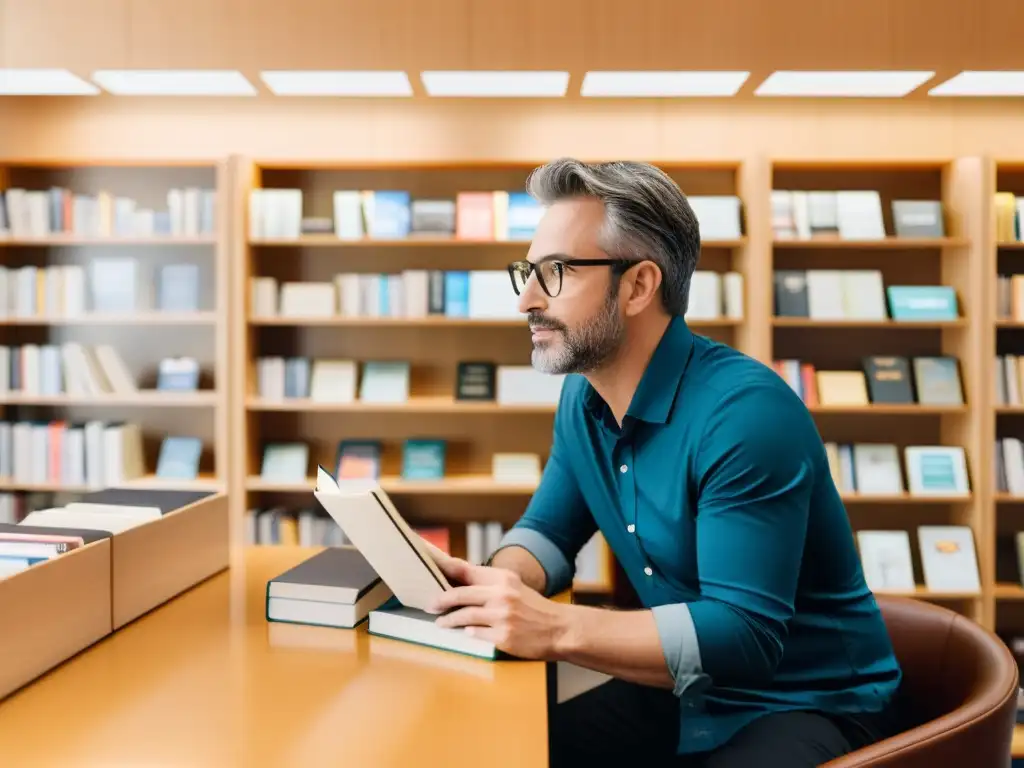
x: 982, y: 83
x: 486, y: 84
x: 336, y: 83
x: 174, y: 82
x: 849, y: 83
x: 44, y: 82
x: 662, y: 84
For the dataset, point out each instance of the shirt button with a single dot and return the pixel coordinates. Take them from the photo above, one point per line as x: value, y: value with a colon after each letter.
x: 630, y: 527
x: 648, y: 571
x: 623, y: 469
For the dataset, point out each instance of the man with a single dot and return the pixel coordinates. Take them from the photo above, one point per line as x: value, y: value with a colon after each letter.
x: 760, y: 643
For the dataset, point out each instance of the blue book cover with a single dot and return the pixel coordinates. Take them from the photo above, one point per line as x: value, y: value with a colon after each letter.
x: 456, y: 294
x: 391, y: 214
x: 423, y: 460
x: 179, y: 458
x: 922, y: 302
x: 524, y: 214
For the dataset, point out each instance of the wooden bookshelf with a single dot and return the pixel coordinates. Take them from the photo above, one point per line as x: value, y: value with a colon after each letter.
x: 474, y: 431
x: 238, y: 423
x: 142, y: 337
x: 958, y: 259
x: 1006, y: 514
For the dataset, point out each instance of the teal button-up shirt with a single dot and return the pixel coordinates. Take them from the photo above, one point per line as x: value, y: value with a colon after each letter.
x: 716, y: 497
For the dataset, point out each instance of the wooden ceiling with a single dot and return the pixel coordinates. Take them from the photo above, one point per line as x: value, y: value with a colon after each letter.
x: 946, y: 36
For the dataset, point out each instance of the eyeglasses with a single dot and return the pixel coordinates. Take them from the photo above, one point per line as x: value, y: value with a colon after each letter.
x: 549, y: 273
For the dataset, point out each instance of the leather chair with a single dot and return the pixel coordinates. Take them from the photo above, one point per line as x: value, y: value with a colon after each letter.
x: 959, y: 695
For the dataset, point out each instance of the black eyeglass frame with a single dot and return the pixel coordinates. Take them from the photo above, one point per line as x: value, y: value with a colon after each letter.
x: 531, y: 268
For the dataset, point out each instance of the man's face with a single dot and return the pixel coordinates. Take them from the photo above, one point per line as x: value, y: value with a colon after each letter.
x: 582, y: 326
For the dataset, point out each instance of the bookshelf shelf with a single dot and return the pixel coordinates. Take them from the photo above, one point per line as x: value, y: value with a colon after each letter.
x: 200, y: 483
x: 425, y: 241
x: 905, y: 498
x: 889, y: 325
x: 889, y: 409
x: 474, y: 485
x: 78, y: 240
x: 421, y: 404
x: 141, y: 318
x: 142, y: 399
x: 1007, y: 591
x: 888, y: 243
x: 435, y: 322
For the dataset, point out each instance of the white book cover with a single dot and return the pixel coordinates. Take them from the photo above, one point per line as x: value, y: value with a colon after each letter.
x: 333, y: 381
x: 948, y: 558
x: 936, y: 470
x: 373, y: 524
x: 308, y: 299
x: 859, y: 214
x: 732, y: 283
x: 717, y: 215
x: 525, y: 385
x: 1013, y: 459
x: 705, y: 296
x: 385, y: 381
x: 864, y: 294
x: 877, y: 468
x: 886, y: 559
x: 348, y: 214
x: 492, y: 296
x: 825, y: 294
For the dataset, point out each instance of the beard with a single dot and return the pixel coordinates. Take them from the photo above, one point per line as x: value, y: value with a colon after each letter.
x: 583, y: 349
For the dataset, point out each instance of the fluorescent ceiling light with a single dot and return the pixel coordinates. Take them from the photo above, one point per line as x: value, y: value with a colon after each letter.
x: 44, y: 82
x: 337, y: 83
x: 496, y: 83
x: 867, y: 83
x: 982, y: 83
x: 174, y: 82
x: 646, y: 84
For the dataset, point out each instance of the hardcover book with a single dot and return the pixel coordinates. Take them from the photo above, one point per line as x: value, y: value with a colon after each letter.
x: 336, y: 587
x: 922, y: 302
x: 889, y: 379
x: 415, y: 626
x: 423, y: 459
x: 372, y: 523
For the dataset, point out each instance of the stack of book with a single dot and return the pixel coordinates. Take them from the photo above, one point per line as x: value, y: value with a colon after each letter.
x: 335, y: 588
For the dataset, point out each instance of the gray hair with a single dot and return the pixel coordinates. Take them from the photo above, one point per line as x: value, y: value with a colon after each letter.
x: 647, y: 216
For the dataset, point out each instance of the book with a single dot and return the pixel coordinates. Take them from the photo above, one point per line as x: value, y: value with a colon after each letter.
x: 372, y: 523
x: 412, y: 625
x: 889, y: 379
x: 423, y: 459
x: 948, y: 558
x: 336, y: 587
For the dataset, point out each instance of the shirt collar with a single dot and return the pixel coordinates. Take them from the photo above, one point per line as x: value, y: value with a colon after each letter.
x: 656, y: 393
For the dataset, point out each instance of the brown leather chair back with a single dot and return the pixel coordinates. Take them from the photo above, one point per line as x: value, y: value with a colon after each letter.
x: 958, y: 697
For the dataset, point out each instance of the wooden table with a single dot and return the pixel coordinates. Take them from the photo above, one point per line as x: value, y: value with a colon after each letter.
x: 205, y: 680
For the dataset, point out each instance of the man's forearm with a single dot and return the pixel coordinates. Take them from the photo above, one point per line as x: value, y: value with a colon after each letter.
x: 521, y: 562
x: 623, y: 644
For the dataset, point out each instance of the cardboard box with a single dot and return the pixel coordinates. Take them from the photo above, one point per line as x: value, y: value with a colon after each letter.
x: 155, y: 562
x: 52, y: 611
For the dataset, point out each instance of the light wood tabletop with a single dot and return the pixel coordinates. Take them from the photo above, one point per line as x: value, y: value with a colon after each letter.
x: 205, y: 680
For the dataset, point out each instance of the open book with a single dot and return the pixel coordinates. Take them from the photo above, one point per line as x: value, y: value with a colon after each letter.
x: 372, y: 523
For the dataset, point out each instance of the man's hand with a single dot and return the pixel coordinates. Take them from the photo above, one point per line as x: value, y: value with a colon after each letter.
x: 496, y: 605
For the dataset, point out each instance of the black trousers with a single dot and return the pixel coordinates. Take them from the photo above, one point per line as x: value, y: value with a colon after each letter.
x: 623, y: 724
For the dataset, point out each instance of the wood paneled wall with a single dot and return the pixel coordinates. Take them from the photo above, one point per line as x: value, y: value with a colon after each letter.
x: 269, y: 128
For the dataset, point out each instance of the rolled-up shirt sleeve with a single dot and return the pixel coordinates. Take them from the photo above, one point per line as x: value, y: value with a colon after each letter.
x: 678, y: 638
x: 557, y: 522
